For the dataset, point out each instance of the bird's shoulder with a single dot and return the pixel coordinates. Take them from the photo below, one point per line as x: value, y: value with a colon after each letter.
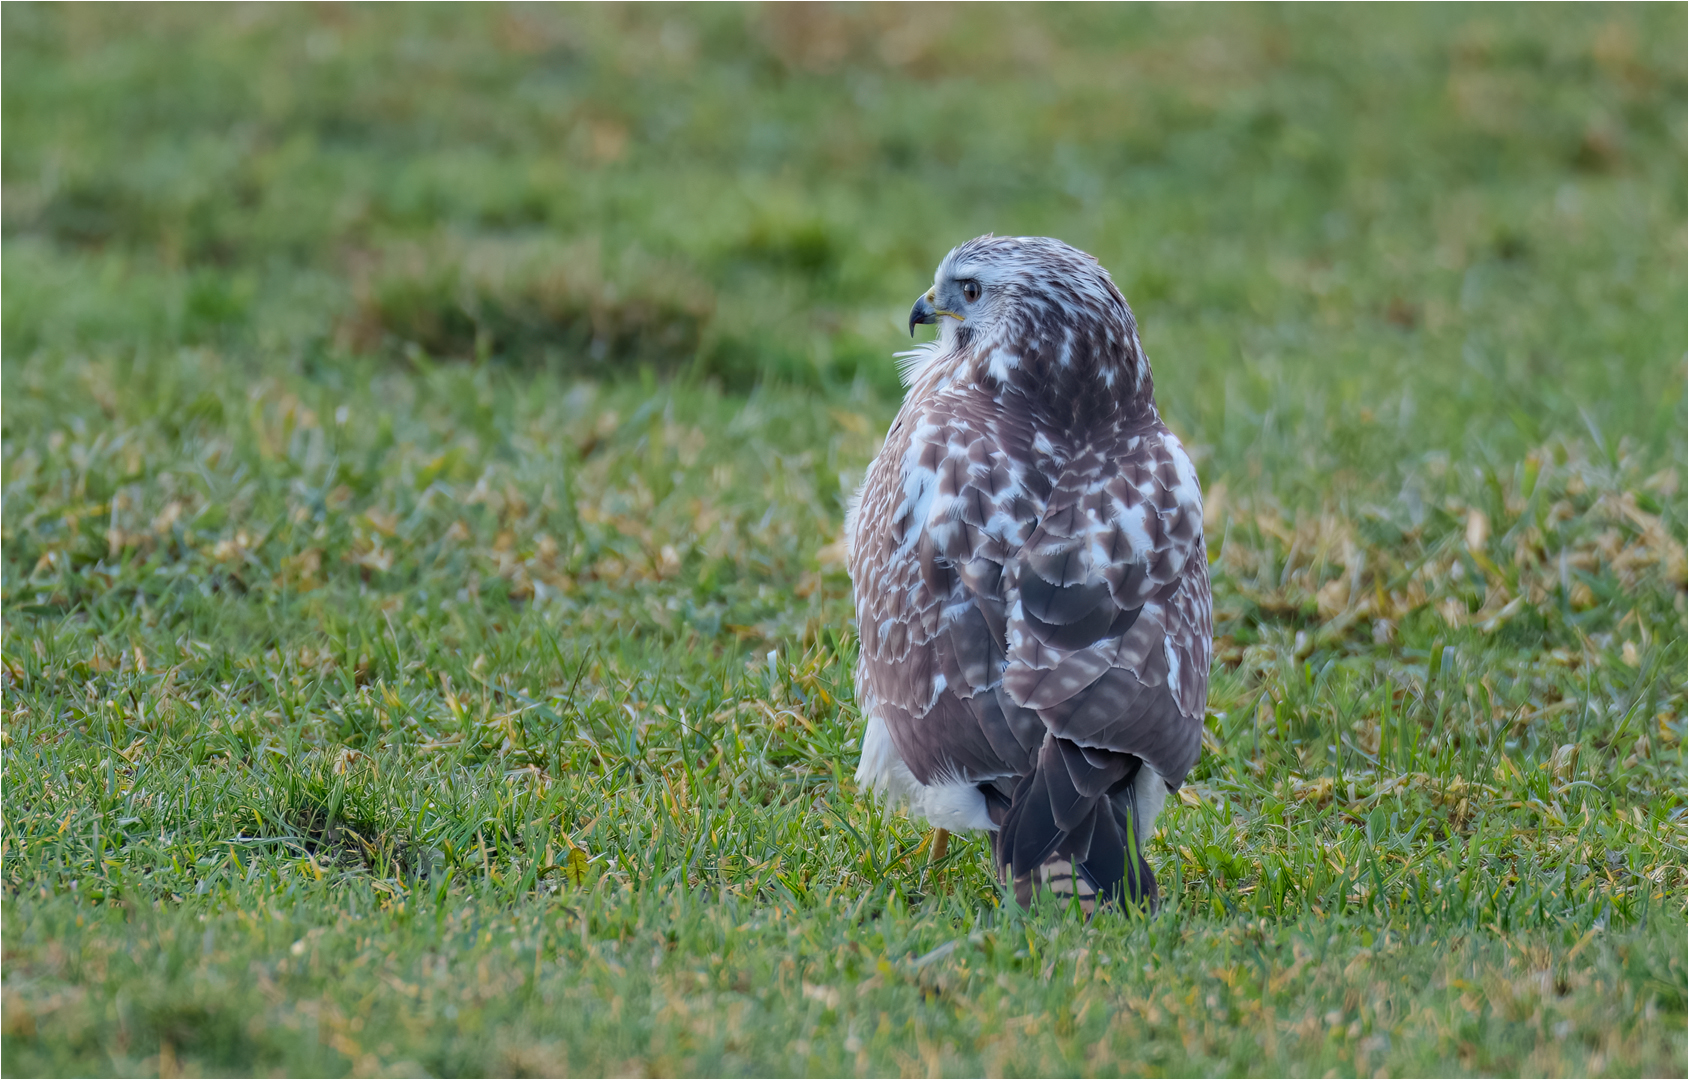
x: 960, y: 455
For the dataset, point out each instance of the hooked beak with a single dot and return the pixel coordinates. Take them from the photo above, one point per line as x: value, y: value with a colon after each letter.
x: 925, y: 312
x: 922, y: 312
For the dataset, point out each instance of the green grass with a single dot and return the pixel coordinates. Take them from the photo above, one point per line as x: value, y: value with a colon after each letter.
x: 425, y: 440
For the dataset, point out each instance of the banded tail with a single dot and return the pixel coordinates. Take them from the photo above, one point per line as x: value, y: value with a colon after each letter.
x: 1077, y: 826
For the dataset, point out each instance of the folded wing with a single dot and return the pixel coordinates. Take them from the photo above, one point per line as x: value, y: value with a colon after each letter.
x: 1023, y: 589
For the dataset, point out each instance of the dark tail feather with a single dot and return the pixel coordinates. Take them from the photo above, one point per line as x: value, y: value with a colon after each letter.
x: 1071, y: 828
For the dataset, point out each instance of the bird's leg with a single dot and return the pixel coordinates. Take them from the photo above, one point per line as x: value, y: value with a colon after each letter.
x: 940, y: 843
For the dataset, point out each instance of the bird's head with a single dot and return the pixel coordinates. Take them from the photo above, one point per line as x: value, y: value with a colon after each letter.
x: 1035, y: 311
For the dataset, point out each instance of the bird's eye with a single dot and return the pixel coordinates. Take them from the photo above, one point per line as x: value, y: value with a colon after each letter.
x: 970, y: 291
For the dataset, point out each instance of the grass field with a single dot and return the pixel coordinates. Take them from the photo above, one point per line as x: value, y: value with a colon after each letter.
x: 426, y: 434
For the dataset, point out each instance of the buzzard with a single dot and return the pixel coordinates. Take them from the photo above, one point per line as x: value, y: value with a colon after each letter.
x: 1030, y: 578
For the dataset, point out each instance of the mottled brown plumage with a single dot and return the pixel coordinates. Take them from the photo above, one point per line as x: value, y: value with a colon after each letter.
x: 1030, y: 576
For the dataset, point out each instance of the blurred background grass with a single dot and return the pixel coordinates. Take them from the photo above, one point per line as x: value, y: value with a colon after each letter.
x: 1389, y: 230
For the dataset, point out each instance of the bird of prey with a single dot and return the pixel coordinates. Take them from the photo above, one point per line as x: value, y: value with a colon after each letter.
x: 1030, y: 578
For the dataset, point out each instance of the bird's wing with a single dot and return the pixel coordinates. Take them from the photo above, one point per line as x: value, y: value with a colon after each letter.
x: 944, y: 507
x: 1003, y: 592
x: 1109, y: 614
